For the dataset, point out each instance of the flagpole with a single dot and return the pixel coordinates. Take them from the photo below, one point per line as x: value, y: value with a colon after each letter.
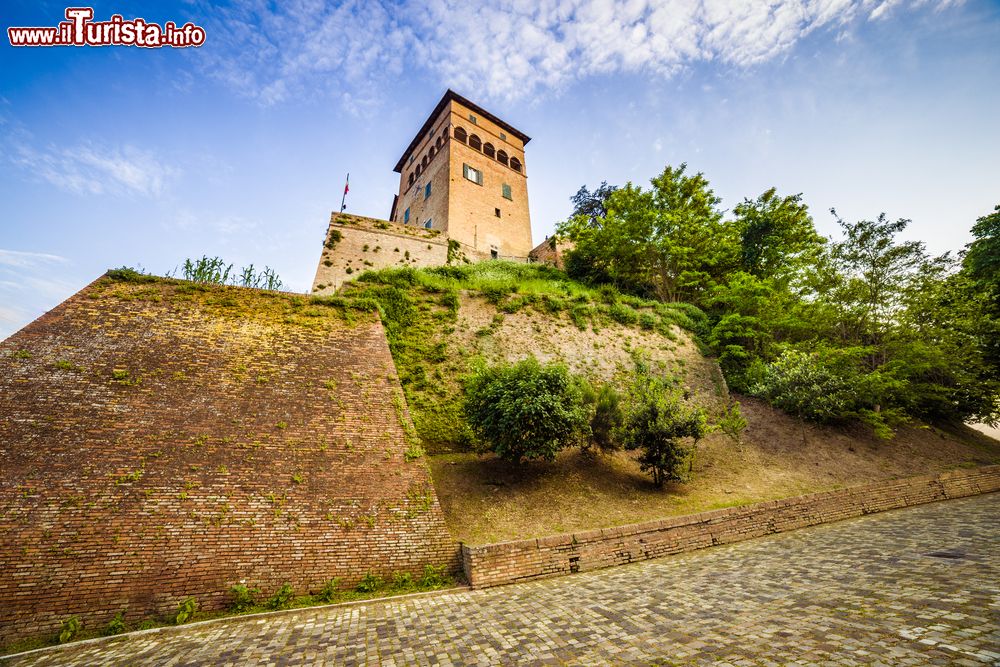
x: 343, y: 200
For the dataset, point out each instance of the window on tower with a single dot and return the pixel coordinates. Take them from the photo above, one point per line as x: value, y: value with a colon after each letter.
x: 505, y: 191
x: 502, y: 157
x: 472, y: 174
x: 461, y: 134
x: 489, y: 150
x: 475, y: 142
x: 427, y: 190
x: 515, y: 164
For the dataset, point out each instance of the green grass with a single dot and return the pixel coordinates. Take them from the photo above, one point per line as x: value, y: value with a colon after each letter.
x: 419, y: 310
x: 432, y: 579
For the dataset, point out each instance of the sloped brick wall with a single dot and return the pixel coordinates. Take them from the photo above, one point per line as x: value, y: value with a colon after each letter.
x: 509, y: 562
x: 163, y: 440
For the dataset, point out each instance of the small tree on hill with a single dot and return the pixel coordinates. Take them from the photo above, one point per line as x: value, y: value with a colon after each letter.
x: 658, y: 424
x: 525, y: 410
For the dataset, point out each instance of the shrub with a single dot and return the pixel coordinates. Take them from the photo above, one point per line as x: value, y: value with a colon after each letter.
x: 581, y: 314
x: 282, y: 597
x: 732, y: 423
x: 117, y: 624
x: 607, y: 419
x: 525, y: 410
x: 803, y: 385
x: 329, y: 591
x: 244, y: 597
x: 622, y: 314
x: 656, y: 424
x: 185, y: 610
x: 369, y: 583
x: 70, y: 627
x: 401, y: 580
x: 127, y: 274
x: 433, y: 577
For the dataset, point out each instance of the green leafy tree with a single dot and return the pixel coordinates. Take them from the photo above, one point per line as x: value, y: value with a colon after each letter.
x: 981, y: 268
x: 525, y: 410
x: 659, y: 425
x: 876, y: 270
x: 668, y: 241
x: 592, y: 205
x: 777, y: 234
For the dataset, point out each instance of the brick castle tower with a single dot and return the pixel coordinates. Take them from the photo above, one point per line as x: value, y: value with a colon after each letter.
x: 464, y: 173
x: 463, y: 192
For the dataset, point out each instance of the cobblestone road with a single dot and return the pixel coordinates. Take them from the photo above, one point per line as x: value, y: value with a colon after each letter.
x: 919, y: 586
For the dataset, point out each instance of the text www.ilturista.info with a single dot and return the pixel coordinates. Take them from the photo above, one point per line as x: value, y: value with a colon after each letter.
x: 80, y: 30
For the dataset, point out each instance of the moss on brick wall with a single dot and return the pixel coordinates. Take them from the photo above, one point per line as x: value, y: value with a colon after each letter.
x: 162, y: 439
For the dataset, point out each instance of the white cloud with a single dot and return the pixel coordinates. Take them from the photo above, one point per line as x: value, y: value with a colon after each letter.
x: 21, y: 259
x: 507, y: 49
x: 91, y: 169
x: 29, y: 285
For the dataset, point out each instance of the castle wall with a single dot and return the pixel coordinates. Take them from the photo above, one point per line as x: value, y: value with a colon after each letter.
x: 355, y: 245
x: 164, y: 439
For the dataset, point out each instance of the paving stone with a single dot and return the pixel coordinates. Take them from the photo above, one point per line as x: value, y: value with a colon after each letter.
x: 859, y: 592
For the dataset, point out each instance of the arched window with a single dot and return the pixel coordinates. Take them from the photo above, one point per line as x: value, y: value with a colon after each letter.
x: 461, y: 134
x: 418, y: 170
x: 489, y: 150
x: 432, y: 152
x: 423, y: 162
x: 515, y: 164
x: 439, y: 142
x: 411, y: 179
x: 444, y: 134
x: 475, y: 142
x: 429, y: 224
x: 501, y: 157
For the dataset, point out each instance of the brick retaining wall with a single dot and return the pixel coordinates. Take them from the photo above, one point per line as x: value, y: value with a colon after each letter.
x: 162, y: 439
x: 523, y: 560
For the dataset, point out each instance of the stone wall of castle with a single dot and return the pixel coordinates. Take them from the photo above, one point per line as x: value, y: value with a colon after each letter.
x: 162, y: 439
x: 355, y: 245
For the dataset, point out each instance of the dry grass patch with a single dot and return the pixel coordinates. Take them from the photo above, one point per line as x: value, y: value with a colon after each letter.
x: 486, y: 500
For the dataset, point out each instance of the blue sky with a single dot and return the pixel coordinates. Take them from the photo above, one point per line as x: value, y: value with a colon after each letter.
x: 124, y: 156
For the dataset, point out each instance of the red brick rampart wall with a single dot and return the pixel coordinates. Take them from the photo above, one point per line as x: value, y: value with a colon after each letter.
x: 509, y: 562
x: 160, y: 440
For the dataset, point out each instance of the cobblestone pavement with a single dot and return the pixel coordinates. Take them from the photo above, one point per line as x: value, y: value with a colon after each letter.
x: 919, y: 586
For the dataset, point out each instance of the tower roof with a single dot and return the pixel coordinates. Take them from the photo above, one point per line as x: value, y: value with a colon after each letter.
x: 449, y: 96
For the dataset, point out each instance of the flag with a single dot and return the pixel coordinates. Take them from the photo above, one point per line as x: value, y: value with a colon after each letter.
x: 347, y: 185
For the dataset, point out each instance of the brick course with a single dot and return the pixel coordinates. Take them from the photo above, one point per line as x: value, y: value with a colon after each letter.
x: 522, y: 560
x: 164, y: 440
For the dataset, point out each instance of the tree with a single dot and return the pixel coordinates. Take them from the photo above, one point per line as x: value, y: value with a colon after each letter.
x: 658, y: 424
x: 592, y: 205
x: 776, y: 234
x: 876, y: 270
x: 981, y: 267
x: 668, y: 241
x: 525, y: 410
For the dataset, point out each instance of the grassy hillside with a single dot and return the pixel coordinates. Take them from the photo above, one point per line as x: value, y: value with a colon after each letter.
x: 442, y: 321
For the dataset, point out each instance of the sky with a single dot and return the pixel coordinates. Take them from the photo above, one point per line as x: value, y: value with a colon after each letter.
x: 119, y: 155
